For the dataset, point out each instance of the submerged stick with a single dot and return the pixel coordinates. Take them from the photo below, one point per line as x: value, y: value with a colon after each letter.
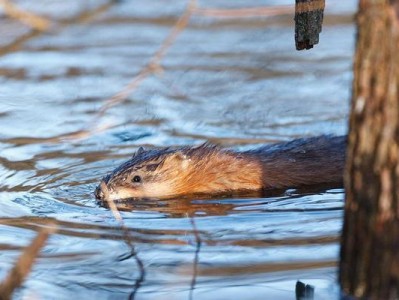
x: 196, y: 258
x: 129, y: 241
x: 23, y: 266
x: 304, y: 291
x: 17, y: 44
x: 28, y: 18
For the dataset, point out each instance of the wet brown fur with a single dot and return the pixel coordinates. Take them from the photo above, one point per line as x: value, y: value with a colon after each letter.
x: 209, y: 170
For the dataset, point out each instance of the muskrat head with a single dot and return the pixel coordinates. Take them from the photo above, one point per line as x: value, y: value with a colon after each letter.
x: 148, y: 174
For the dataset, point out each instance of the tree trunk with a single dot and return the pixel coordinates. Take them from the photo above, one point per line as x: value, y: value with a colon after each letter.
x: 369, y: 266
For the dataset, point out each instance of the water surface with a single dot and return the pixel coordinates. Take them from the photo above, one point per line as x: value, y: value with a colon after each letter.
x: 234, y: 82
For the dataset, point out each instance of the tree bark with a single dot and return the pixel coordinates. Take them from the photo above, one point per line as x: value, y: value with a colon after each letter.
x: 369, y: 267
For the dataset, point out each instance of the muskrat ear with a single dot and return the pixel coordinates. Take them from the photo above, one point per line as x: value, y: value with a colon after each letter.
x: 138, y: 152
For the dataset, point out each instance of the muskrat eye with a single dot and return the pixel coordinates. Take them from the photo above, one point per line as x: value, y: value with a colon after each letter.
x: 136, y: 178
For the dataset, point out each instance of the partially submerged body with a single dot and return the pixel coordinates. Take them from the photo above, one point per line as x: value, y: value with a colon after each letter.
x: 166, y: 173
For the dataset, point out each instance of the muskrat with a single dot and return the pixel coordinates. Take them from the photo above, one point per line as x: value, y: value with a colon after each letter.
x: 207, y: 169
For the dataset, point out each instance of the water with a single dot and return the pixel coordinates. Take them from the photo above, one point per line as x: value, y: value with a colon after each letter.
x: 234, y: 82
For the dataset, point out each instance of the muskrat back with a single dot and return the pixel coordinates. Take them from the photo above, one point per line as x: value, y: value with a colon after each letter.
x: 207, y: 169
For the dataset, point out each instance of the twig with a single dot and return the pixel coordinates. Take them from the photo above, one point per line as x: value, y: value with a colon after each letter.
x: 129, y: 242
x: 196, y: 258
x: 154, y: 64
x: 180, y: 25
x: 19, y: 41
x: 84, y: 17
x: 88, y: 15
x: 24, y: 264
x: 245, y: 12
x: 28, y: 18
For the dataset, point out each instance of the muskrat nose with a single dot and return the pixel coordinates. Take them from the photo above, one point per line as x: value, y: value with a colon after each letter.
x: 98, y: 193
x: 102, y: 191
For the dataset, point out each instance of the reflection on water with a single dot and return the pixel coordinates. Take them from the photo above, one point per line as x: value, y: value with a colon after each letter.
x: 234, y: 82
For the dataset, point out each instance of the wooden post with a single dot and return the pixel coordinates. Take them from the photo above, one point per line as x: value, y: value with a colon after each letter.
x: 369, y: 267
x: 308, y: 22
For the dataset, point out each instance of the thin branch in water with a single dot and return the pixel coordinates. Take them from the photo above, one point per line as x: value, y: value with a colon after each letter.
x: 84, y: 17
x: 22, y: 267
x: 196, y: 258
x: 128, y: 240
x: 30, y: 19
x: 90, y: 14
x: 245, y: 12
x: 180, y: 25
x: 18, y: 42
x: 154, y: 65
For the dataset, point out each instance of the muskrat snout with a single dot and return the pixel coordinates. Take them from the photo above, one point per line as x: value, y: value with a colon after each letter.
x: 102, y: 192
x: 98, y: 193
